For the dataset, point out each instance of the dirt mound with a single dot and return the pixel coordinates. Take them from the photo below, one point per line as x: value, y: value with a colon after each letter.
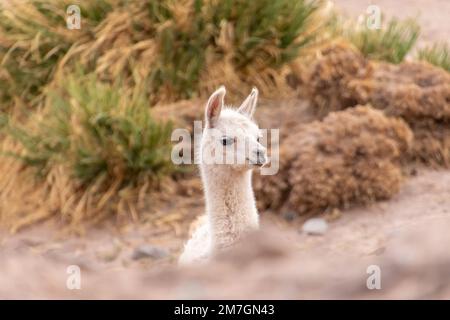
x: 349, y: 157
x: 415, y: 91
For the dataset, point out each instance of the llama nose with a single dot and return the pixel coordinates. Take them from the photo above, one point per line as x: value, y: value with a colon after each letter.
x: 261, y: 157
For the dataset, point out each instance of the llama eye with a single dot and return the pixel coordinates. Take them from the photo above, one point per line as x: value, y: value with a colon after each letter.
x: 227, y: 141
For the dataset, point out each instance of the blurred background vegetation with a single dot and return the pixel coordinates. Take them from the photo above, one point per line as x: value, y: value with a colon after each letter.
x: 83, y: 99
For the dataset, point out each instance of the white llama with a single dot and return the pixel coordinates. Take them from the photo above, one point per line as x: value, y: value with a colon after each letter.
x: 230, y: 203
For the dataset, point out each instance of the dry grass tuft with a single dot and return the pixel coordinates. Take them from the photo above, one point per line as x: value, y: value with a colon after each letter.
x: 438, y: 54
x: 391, y: 42
x: 351, y: 157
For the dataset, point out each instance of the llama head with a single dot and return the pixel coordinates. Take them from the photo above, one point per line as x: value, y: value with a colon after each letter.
x: 231, y: 137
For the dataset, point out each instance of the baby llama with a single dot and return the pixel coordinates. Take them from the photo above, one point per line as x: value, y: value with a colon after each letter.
x: 229, y: 150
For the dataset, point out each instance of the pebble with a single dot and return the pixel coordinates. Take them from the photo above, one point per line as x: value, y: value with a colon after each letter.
x: 149, y: 251
x: 315, y: 226
x: 289, y: 215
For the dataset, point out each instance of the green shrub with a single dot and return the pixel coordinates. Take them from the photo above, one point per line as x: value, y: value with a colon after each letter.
x: 437, y: 54
x: 34, y: 38
x: 391, y: 43
x: 250, y: 34
x: 96, y: 129
x: 170, y: 43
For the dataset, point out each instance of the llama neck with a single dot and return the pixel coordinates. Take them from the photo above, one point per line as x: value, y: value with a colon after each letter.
x: 230, y: 204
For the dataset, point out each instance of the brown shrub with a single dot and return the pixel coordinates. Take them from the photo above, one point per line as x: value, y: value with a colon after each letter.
x: 411, y: 90
x: 431, y: 143
x: 329, y: 80
x: 349, y: 157
x: 416, y: 91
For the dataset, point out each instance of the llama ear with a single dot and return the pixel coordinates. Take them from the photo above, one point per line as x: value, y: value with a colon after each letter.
x: 214, y: 106
x: 248, y: 106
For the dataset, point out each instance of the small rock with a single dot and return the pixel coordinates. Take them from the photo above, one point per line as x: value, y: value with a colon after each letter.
x: 316, y: 226
x: 289, y: 215
x: 148, y: 251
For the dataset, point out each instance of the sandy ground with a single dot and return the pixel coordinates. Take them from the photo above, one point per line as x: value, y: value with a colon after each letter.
x: 406, y: 237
